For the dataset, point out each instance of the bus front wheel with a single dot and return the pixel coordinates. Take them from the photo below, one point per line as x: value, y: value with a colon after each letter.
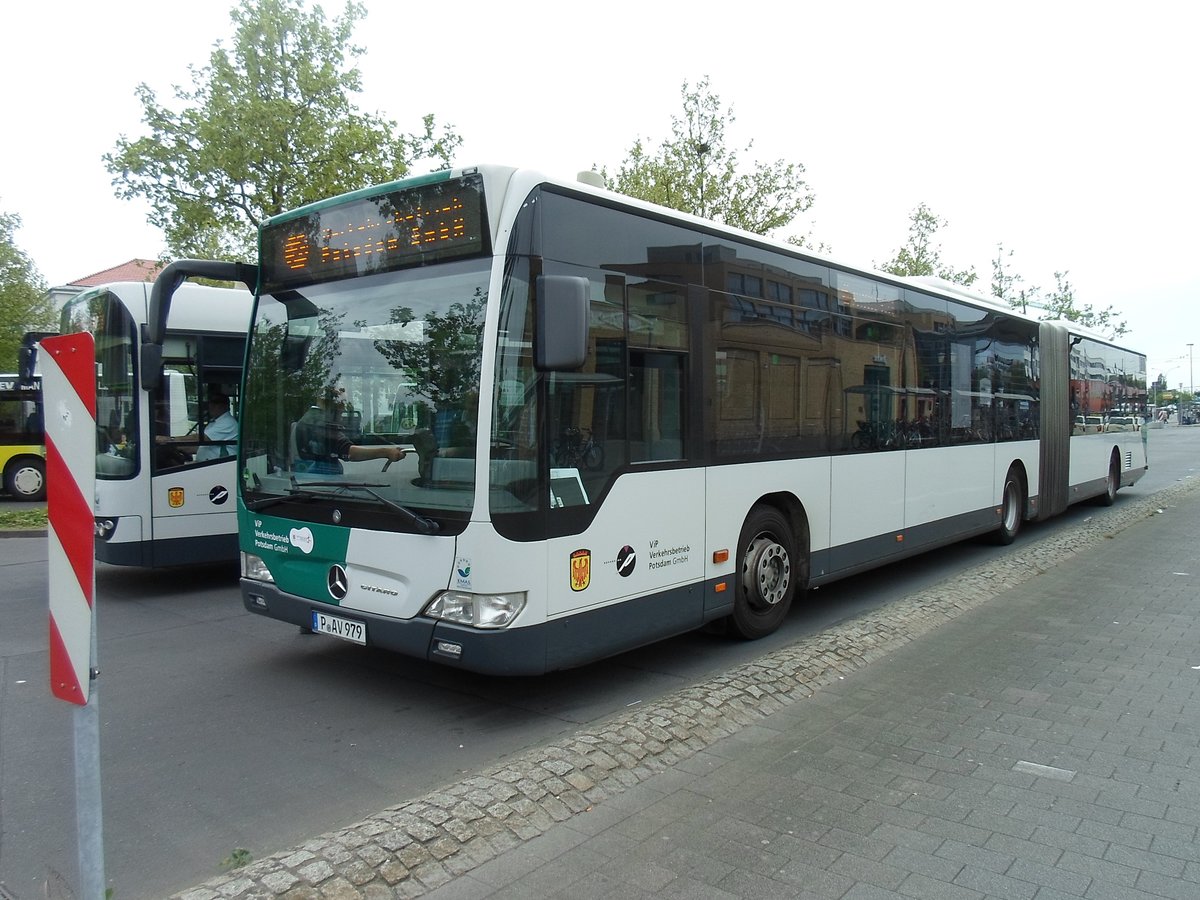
x: 766, y: 580
x: 25, y: 479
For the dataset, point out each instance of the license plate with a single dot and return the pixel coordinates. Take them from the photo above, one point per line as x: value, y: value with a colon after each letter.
x: 346, y: 629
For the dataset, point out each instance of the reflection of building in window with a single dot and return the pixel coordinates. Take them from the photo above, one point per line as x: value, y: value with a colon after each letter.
x: 774, y: 354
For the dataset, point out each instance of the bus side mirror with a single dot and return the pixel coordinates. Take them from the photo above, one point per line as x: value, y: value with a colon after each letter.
x: 561, y: 342
x: 26, y: 363
x: 27, y: 356
x: 150, y: 373
x: 165, y: 285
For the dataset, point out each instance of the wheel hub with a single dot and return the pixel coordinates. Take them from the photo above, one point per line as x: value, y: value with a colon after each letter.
x: 766, y: 571
x: 27, y: 480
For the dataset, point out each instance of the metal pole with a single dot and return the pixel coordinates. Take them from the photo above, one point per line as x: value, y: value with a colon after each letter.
x: 89, y: 818
x: 69, y: 383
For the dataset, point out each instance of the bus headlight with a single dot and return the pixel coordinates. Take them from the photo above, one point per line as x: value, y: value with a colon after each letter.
x: 253, y: 567
x: 476, y: 610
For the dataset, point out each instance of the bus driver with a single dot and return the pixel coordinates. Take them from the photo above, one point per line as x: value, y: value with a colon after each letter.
x: 322, y: 440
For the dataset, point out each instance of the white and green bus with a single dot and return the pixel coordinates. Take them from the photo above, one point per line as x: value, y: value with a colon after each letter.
x: 622, y: 422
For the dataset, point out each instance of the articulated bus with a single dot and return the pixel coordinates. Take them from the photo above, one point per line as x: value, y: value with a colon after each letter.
x: 164, y: 482
x: 620, y: 422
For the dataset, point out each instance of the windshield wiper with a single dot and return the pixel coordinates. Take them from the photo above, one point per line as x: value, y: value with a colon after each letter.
x: 298, y: 495
x: 423, y: 524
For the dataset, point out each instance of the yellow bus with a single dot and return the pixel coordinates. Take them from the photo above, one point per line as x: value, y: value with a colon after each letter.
x: 22, y: 443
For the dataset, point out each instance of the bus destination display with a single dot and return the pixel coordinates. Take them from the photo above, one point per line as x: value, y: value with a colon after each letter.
x: 366, y: 236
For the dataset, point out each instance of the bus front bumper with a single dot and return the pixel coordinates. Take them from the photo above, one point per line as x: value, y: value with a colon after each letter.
x: 511, y: 651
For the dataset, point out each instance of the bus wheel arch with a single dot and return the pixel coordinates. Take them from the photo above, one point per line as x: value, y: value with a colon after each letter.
x: 25, y: 478
x: 771, y: 566
x: 1014, y: 501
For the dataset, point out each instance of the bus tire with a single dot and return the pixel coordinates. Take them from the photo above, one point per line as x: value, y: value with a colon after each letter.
x: 766, y: 575
x: 1112, y: 483
x: 25, y: 479
x: 1012, y: 509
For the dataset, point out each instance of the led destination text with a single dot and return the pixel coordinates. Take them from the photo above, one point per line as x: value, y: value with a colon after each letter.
x: 359, y: 236
x: 380, y: 236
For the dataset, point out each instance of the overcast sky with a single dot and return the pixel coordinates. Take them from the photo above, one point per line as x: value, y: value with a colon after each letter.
x: 1065, y: 130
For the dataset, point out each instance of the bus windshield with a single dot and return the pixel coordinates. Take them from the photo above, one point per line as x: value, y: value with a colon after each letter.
x: 117, y: 434
x: 339, y: 370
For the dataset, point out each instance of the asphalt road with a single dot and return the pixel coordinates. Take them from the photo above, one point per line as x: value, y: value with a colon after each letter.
x: 223, y: 730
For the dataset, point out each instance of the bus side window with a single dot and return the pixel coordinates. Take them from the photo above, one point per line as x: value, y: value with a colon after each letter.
x: 656, y: 386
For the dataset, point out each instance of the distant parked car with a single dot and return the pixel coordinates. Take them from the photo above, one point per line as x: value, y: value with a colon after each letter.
x: 1124, y: 423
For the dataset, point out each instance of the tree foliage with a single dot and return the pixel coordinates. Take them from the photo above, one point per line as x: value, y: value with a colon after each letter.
x: 695, y: 171
x: 1059, y: 303
x: 290, y: 372
x: 23, y: 302
x: 1009, y: 286
x: 268, y: 125
x: 921, y: 256
x: 444, y: 365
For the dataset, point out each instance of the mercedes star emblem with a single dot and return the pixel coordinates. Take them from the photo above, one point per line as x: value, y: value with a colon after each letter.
x: 337, y: 583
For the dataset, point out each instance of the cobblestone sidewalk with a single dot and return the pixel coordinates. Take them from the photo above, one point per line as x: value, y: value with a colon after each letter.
x: 421, y: 845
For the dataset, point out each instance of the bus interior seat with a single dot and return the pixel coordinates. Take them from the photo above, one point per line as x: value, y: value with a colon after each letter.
x: 425, y: 444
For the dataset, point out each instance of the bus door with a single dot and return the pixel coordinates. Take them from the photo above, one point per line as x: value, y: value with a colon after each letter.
x: 626, y: 514
x: 193, y: 457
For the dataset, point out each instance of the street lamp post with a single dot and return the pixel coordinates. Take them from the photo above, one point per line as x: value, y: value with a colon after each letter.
x: 1191, y: 376
x: 1163, y: 375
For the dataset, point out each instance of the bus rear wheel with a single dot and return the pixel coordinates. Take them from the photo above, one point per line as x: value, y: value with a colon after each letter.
x: 1112, y: 483
x: 766, y: 581
x: 25, y: 479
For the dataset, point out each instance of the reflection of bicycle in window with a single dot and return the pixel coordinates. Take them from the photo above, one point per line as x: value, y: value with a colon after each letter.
x: 577, y: 447
x: 875, y: 435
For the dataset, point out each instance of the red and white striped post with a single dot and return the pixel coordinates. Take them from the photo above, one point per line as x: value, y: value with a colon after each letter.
x: 68, y: 366
x: 69, y: 388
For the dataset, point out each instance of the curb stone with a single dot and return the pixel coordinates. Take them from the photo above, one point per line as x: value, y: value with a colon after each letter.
x: 413, y: 848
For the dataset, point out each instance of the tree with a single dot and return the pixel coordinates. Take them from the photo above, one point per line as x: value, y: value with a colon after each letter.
x: 444, y: 366
x: 1008, y: 286
x: 268, y: 125
x: 24, y: 305
x: 1057, y: 304
x: 303, y: 362
x: 920, y: 256
x: 1060, y: 304
x: 694, y: 171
